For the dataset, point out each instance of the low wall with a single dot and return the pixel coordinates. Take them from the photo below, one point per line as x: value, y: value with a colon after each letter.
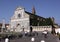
x: 42, y: 28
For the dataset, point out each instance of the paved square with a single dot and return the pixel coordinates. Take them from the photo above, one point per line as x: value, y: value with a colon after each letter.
x: 50, y: 38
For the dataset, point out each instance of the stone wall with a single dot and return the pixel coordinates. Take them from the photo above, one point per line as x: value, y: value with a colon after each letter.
x: 42, y: 28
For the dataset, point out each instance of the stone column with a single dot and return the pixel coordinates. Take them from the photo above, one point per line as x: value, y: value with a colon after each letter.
x: 3, y: 25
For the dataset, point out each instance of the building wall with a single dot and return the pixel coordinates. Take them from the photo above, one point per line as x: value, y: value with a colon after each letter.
x: 17, y: 22
x: 22, y: 19
x: 6, y: 27
x: 42, y: 28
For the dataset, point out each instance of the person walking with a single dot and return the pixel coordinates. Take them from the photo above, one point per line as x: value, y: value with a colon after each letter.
x: 6, y: 40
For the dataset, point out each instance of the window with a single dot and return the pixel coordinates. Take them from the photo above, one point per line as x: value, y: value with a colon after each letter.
x: 18, y: 25
x: 19, y: 15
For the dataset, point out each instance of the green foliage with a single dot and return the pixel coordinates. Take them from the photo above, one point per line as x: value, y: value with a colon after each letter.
x: 49, y: 21
x: 42, y: 21
x: 2, y: 36
x: 11, y: 34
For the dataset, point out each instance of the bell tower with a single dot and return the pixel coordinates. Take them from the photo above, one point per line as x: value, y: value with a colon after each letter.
x: 33, y: 10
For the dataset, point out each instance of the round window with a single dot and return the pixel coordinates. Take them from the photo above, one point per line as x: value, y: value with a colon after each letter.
x: 19, y: 15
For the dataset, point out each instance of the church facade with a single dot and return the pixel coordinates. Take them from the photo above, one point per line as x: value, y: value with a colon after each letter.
x: 20, y: 20
x: 23, y: 20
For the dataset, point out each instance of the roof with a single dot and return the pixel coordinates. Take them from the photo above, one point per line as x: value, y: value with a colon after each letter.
x: 33, y: 14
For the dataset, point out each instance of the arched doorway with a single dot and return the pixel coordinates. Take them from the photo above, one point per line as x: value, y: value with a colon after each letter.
x: 18, y: 27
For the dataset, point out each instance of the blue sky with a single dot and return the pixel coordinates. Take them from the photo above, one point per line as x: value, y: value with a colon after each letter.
x: 44, y: 8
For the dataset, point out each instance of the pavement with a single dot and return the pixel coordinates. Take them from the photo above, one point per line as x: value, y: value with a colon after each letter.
x: 37, y: 38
